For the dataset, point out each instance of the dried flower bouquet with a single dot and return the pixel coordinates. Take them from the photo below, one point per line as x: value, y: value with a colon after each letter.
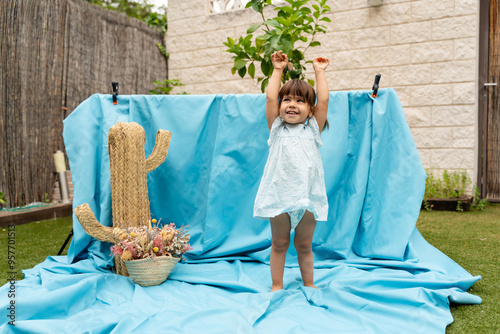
x: 144, y: 242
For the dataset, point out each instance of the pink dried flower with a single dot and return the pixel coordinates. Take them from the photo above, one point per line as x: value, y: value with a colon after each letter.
x: 116, y: 250
x: 130, y: 248
x: 158, y: 242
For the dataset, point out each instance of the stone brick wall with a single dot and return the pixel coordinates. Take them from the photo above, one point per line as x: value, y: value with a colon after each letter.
x: 425, y: 49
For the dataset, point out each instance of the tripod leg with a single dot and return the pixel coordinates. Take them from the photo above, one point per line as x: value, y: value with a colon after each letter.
x: 65, y: 242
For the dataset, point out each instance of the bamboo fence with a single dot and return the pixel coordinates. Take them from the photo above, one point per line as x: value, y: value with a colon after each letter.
x: 54, y: 55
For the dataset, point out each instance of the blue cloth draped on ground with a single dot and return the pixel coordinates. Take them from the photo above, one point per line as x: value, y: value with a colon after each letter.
x: 375, y: 272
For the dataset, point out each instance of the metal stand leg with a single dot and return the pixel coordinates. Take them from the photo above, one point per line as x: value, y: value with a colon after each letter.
x: 66, y: 242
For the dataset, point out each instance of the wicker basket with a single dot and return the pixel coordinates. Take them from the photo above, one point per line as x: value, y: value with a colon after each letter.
x: 151, y: 271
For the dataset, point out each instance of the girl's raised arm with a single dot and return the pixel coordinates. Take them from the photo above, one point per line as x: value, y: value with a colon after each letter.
x: 272, y: 106
x: 322, y: 92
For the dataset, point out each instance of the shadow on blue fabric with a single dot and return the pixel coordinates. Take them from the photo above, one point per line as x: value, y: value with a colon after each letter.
x: 375, y: 272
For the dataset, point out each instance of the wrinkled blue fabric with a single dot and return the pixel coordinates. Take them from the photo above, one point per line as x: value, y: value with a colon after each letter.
x: 374, y: 271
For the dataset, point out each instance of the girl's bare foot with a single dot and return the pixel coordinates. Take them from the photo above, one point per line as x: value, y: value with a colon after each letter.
x: 310, y: 285
x: 276, y: 288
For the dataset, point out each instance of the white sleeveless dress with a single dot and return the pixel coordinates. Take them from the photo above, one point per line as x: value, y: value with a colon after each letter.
x: 293, y: 177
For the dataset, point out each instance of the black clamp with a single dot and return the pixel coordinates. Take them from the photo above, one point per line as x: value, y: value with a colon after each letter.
x: 375, y: 85
x: 115, y: 92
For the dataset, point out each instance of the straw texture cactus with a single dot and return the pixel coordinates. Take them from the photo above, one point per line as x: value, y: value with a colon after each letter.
x: 129, y: 190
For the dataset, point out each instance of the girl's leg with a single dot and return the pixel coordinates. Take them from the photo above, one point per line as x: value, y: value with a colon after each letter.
x: 280, y: 228
x: 303, y: 244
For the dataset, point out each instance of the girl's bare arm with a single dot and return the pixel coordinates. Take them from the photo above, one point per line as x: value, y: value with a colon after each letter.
x: 322, y: 92
x: 272, y: 107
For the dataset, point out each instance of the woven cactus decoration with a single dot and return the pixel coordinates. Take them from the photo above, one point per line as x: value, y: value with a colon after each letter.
x: 129, y: 189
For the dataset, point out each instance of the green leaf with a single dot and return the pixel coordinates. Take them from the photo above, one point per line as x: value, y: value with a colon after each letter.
x: 308, y: 19
x: 253, y: 28
x: 247, y: 42
x: 239, y: 64
x: 297, y: 55
x: 315, y: 43
x: 242, y: 71
x: 287, y: 9
x: 256, y: 5
x: 264, y: 84
x: 321, y: 29
x: 265, y: 67
x: 298, y: 22
x: 305, y: 10
x: 298, y: 4
x: 287, y: 45
x: 258, y: 47
x: 273, y: 23
x: 326, y: 19
x: 315, y: 7
x: 282, y: 21
x: 274, y: 42
x: 311, y: 82
x: 316, y: 14
x: 251, y: 70
x: 262, y: 38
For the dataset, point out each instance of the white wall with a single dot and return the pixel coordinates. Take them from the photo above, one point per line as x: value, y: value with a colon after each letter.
x: 425, y: 49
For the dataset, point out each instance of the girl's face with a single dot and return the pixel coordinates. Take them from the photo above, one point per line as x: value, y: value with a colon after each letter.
x: 294, y: 109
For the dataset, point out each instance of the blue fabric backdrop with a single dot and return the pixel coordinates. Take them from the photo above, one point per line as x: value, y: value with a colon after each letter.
x: 375, y: 272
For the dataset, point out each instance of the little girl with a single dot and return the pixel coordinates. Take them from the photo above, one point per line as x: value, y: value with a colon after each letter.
x: 292, y: 191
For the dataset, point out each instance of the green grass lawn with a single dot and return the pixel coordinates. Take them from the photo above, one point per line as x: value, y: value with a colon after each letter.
x: 472, y: 239
x: 33, y: 243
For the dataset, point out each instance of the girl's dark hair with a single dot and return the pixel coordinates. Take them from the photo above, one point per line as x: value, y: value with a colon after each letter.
x: 296, y: 87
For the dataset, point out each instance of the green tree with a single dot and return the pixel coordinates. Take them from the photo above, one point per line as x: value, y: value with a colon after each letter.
x: 295, y: 21
x: 139, y: 9
x: 166, y: 86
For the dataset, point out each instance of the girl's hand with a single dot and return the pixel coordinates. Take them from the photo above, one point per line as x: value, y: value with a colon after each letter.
x: 320, y: 63
x: 279, y: 60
